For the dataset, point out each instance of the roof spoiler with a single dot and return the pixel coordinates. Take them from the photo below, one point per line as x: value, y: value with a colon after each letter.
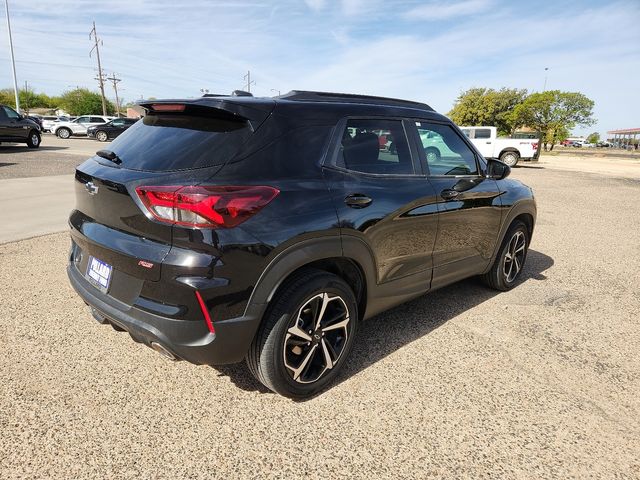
x: 254, y: 113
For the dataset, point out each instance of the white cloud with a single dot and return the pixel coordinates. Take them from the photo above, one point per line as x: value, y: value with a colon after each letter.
x: 316, y: 4
x: 439, y: 10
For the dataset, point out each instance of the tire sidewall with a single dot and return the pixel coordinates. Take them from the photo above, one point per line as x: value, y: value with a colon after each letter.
x: 510, y: 158
x: 30, y: 142
x: 274, y: 344
x: 517, y: 227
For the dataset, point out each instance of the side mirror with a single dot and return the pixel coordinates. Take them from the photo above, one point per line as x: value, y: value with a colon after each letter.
x: 497, y: 170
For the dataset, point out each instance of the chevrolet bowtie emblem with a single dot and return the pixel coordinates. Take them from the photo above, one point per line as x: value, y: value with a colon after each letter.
x: 91, y: 188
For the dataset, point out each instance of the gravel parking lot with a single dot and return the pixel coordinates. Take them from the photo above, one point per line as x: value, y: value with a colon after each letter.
x: 539, y: 382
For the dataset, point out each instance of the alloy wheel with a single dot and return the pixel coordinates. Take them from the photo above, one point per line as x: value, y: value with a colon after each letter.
x: 101, y: 136
x: 35, y: 140
x: 316, y: 338
x: 514, y: 256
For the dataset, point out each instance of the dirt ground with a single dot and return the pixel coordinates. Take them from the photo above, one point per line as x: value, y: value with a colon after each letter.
x: 539, y: 382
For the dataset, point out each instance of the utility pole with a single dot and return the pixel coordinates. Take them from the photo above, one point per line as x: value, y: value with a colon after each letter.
x: 544, y: 89
x: 26, y: 97
x: 13, y: 60
x: 100, y: 76
x: 247, y: 77
x: 115, y: 81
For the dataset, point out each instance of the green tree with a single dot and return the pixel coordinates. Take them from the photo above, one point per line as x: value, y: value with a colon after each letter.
x: 553, y: 113
x: 28, y: 99
x: 7, y: 97
x: 593, y: 138
x: 82, y: 101
x: 486, y: 106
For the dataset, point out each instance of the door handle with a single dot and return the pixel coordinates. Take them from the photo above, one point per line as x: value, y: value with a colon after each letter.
x: 357, y: 200
x: 449, y: 194
x: 488, y: 143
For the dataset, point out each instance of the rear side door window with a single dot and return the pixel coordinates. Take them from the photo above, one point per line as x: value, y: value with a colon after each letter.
x: 445, y: 150
x: 375, y: 146
x: 482, y: 133
x: 11, y: 113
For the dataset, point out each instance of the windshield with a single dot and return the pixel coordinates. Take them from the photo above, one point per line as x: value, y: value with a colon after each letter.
x: 179, y: 142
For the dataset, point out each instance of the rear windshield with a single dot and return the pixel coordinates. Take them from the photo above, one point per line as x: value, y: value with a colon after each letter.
x: 166, y: 142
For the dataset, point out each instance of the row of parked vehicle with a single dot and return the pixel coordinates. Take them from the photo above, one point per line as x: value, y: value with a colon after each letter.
x: 100, y: 127
x: 19, y: 128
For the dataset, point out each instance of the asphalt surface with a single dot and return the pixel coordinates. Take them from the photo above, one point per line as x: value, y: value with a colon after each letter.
x: 54, y: 157
x: 539, y: 382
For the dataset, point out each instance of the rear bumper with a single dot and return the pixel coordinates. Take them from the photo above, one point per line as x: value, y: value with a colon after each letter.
x: 185, y: 339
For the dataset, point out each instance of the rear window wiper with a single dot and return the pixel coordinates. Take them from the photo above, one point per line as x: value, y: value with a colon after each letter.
x: 109, y: 155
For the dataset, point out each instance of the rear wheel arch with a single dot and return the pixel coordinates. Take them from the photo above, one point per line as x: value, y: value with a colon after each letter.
x: 325, y: 254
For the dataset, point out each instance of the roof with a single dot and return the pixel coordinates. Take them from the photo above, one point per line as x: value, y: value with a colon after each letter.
x: 312, y: 107
x: 626, y: 131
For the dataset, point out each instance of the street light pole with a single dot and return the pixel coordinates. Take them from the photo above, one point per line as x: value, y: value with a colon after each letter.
x: 13, y: 60
x: 546, y: 69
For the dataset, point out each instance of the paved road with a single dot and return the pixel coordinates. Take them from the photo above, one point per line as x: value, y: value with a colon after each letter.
x: 540, y: 382
x: 34, y: 206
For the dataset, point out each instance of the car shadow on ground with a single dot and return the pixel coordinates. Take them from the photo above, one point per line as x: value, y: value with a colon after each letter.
x: 383, y: 334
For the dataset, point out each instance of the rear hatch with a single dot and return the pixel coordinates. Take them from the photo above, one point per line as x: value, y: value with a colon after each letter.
x: 178, y: 143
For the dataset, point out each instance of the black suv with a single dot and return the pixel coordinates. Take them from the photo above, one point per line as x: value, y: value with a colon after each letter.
x: 232, y: 228
x: 111, y: 129
x: 18, y: 128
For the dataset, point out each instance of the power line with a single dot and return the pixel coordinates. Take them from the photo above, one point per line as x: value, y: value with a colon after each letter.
x: 100, y: 76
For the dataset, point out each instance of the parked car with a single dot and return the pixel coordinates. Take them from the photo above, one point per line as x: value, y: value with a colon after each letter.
x: 222, y: 229
x: 78, y: 126
x: 48, y: 121
x: 509, y: 150
x: 603, y: 144
x: 588, y: 145
x: 111, y: 129
x: 17, y: 128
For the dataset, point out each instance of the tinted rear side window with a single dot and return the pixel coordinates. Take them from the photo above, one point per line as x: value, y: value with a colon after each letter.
x: 179, y: 142
x: 375, y: 146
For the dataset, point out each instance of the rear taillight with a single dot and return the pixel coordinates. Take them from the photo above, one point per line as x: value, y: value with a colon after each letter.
x: 205, y: 206
x: 535, y: 146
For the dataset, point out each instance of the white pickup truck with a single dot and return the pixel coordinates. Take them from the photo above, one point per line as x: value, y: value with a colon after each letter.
x: 509, y: 150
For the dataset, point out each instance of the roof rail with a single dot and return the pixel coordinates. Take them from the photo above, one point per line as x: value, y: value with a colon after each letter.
x: 350, y: 98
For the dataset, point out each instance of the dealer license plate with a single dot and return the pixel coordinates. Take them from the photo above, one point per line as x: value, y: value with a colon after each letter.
x: 99, y: 273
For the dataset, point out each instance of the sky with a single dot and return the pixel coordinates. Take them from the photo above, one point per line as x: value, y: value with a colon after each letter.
x: 428, y: 51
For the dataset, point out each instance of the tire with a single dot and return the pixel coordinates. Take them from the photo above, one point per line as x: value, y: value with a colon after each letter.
x: 510, y: 158
x: 284, y: 356
x: 102, y: 136
x: 33, y: 140
x: 433, y: 154
x: 502, y: 275
x: 63, y: 132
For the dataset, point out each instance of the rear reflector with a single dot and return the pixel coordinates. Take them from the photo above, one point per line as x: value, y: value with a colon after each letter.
x: 205, y: 206
x: 168, y: 107
x: 205, y: 312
